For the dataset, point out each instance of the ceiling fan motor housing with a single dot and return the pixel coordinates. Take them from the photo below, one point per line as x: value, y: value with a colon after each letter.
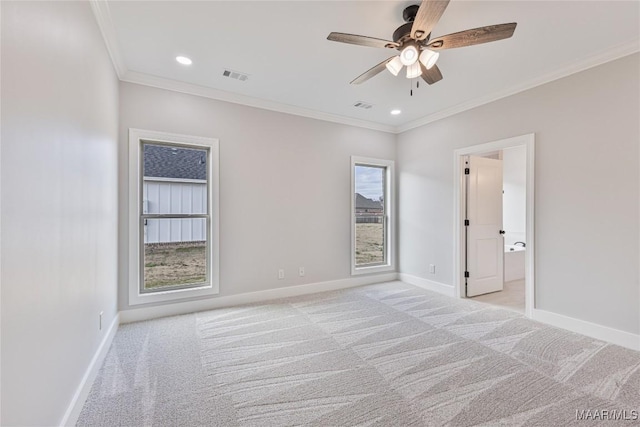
x: 417, y: 53
x: 409, y: 12
x: 403, y: 33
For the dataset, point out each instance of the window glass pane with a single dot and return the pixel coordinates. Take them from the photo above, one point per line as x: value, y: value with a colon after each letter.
x: 370, y: 227
x: 174, y: 180
x: 175, y: 252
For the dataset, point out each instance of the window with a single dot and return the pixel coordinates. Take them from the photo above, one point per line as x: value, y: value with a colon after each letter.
x: 371, y: 215
x: 173, y: 224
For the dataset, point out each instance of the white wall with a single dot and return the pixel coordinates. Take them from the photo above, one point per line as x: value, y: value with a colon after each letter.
x: 59, y: 204
x: 284, y: 186
x: 514, y: 198
x: 587, y: 188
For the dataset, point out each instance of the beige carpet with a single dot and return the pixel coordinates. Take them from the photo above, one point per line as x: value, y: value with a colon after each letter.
x: 386, y: 355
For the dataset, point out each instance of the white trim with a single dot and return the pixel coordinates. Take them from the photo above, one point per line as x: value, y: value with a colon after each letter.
x: 72, y: 413
x: 530, y: 223
x: 147, y: 313
x: 458, y: 213
x: 1, y: 258
x: 389, y: 208
x: 103, y: 18
x: 593, y: 330
x: 178, y: 180
x: 600, y: 58
x: 430, y: 285
x: 236, y: 98
x: 573, y: 68
x: 136, y: 136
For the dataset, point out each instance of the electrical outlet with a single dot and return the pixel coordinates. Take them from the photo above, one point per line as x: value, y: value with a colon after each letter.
x: 432, y: 269
x: 281, y: 274
x: 100, y: 324
x: 301, y: 271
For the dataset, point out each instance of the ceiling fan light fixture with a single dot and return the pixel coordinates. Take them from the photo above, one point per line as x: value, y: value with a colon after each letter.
x: 409, y: 55
x: 413, y: 71
x: 418, y: 50
x: 394, y: 66
x: 429, y: 58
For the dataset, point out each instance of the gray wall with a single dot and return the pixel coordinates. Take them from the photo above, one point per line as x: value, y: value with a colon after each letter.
x: 586, y: 190
x: 285, y: 196
x: 284, y: 186
x: 59, y: 204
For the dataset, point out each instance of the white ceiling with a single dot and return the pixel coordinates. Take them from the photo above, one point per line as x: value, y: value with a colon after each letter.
x: 282, y: 46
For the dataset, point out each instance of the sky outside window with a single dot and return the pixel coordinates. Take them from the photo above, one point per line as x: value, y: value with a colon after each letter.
x: 369, y: 181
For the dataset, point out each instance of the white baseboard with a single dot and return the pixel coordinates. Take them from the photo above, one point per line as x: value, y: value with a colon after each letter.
x: 75, y: 407
x: 429, y: 285
x: 593, y: 330
x: 147, y: 313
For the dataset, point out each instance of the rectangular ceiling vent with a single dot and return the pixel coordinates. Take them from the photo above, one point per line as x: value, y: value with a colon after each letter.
x: 235, y: 75
x: 363, y: 105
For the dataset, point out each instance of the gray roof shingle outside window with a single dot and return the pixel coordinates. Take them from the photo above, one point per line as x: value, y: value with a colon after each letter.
x: 364, y: 203
x: 169, y: 162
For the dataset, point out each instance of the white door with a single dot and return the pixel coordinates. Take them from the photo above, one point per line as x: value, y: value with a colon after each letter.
x: 485, y: 241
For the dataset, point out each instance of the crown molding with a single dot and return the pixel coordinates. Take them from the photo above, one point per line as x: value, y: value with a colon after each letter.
x: 235, y: 98
x: 102, y: 14
x: 609, y: 55
x: 101, y: 11
x: 103, y: 17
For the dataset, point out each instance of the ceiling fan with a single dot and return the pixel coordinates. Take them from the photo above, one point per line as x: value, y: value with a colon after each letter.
x: 418, y: 51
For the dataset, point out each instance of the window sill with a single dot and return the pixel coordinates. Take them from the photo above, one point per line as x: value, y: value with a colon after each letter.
x: 356, y: 271
x: 136, y: 298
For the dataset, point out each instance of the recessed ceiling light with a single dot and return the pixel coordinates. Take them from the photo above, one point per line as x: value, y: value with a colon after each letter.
x: 395, y: 112
x: 183, y: 60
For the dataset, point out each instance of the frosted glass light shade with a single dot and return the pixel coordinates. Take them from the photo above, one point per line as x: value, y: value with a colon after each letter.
x: 394, y: 66
x: 409, y: 55
x: 413, y: 70
x: 429, y: 58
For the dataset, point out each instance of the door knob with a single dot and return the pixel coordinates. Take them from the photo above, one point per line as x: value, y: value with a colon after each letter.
x: 501, y: 231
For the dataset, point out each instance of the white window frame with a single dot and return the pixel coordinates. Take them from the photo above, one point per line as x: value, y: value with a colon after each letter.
x: 389, y: 209
x: 136, y: 139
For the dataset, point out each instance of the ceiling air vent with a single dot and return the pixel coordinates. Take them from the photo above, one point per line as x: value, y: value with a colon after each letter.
x: 363, y: 105
x: 235, y: 75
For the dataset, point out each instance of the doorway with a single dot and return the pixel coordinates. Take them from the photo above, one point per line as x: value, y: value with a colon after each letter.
x: 482, y: 267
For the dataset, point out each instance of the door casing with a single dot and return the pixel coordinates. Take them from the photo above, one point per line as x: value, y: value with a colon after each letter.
x: 528, y: 141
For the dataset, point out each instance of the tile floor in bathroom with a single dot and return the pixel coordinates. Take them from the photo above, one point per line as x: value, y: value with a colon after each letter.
x: 511, y: 298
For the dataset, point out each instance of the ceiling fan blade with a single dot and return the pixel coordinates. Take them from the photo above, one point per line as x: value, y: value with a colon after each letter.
x: 428, y: 15
x: 490, y: 33
x: 432, y: 75
x: 372, y: 72
x: 361, y: 40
